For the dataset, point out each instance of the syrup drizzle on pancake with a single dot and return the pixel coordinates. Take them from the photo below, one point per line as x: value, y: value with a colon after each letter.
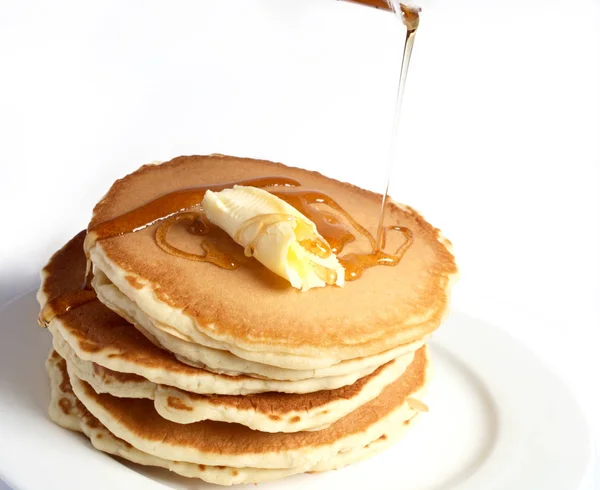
x: 169, y: 205
x: 356, y: 264
x: 213, y: 245
x: 219, y: 249
x: 337, y: 234
x: 172, y: 205
x: 171, y: 209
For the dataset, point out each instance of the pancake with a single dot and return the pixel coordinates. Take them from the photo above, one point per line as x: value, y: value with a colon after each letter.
x: 267, y: 412
x: 254, y: 314
x: 91, y: 332
x: 222, y: 361
x: 66, y: 410
x: 217, y: 443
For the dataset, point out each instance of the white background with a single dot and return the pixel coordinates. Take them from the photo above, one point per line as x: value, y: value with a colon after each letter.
x: 499, y: 136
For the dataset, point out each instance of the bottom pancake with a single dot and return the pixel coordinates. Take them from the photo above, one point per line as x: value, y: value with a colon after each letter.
x: 66, y: 410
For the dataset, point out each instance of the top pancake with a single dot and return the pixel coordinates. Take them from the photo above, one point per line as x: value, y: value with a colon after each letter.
x: 251, y: 307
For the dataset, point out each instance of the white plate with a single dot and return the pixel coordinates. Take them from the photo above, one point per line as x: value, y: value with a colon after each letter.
x: 498, y: 420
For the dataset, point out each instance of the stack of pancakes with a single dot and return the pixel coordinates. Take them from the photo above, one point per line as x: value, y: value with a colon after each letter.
x: 233, y: 376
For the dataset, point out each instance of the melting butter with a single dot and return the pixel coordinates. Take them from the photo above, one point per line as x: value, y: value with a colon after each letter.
x: 276, y: 234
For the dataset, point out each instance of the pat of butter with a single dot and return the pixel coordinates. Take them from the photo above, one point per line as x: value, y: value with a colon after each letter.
x: 276, y: 234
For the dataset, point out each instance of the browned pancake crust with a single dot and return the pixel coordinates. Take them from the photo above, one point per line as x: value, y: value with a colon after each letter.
x: 257, y: 308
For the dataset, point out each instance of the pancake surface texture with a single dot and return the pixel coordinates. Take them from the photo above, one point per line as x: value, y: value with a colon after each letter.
x: 253, y: 313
